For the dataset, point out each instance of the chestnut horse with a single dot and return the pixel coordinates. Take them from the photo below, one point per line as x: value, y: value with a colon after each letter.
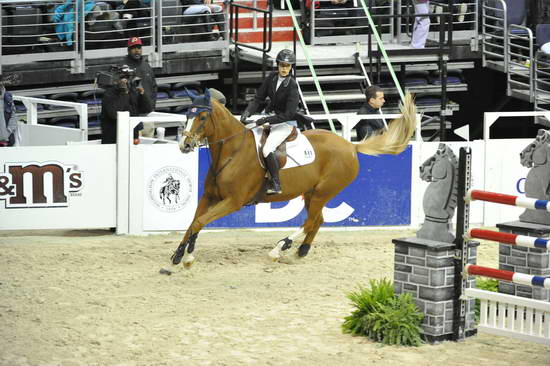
x: 236, y: 176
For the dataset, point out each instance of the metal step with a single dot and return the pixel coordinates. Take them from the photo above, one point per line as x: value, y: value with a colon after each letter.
x: 331, y: 79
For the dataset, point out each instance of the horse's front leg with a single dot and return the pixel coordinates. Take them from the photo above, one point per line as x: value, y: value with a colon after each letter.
x: 285, y: 244
x: 207, y: 211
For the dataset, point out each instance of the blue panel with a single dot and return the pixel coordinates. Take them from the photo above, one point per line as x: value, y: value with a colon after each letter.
x: 381, y: 195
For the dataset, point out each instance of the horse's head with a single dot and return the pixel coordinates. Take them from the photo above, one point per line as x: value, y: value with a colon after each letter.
x: 532, y: 155
x: 196, y: 128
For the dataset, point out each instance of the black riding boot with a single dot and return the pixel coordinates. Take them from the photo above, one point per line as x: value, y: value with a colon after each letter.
x: 273, y: 186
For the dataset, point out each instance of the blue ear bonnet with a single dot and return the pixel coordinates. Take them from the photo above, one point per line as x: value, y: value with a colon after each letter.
x: 200, y: 104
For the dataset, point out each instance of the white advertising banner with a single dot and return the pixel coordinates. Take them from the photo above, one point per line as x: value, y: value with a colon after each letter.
x: 170, y: 187
x: 504, y: 174
x: 58, y: 187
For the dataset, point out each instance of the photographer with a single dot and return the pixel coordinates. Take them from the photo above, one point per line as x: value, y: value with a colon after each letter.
x: 123, y: 93
x: 138, y: 62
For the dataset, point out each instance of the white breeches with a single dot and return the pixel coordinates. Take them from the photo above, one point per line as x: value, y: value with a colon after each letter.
x: 278, y: 134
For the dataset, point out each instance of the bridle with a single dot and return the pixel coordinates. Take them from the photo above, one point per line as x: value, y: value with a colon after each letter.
x: 197, y: 141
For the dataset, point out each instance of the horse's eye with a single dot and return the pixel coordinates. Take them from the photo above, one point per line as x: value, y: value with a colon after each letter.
x: 203, y: 118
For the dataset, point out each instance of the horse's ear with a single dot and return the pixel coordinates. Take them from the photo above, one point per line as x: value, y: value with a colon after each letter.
x: 207, y: 94
x: 189, y: 94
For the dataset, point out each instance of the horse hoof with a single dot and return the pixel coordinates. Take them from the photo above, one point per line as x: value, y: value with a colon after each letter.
x: 275, y: 254
x: 188, y: 261
x: 303, y: 250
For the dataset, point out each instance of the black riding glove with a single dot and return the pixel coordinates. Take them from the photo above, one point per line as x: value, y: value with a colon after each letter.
x: 245, y: 116
x: 261, y: 121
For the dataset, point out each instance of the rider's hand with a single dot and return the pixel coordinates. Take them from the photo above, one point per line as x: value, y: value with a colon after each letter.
x: 245, y: 116
x: 261, y: 121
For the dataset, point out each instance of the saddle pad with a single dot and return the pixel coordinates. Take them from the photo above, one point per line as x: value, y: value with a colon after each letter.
x: 299, y: 152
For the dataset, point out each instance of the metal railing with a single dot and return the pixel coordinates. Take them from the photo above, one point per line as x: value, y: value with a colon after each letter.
x: 519, y: 56
x: 80, y: 30
x: 494, y: 35
x: 541, y: 84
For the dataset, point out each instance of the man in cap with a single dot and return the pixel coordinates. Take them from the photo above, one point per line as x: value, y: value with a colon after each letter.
x: 136, y: 61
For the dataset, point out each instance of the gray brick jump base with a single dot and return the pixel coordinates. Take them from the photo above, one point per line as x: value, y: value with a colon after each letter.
x: 425, y: 268
x: 532, y: 261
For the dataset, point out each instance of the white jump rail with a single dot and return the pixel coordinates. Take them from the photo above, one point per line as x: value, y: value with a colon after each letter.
x: 512, y: 316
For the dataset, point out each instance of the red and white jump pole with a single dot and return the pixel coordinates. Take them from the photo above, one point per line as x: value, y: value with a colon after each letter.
x: 499, y: 274
x: 506, y: 199
x: 513, y: 239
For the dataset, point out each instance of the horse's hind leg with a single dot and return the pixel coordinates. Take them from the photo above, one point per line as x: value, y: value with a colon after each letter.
x: 314, y: 206
x: 314, y: 221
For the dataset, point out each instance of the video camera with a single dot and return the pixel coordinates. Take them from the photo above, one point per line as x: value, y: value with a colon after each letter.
x: 116, y: 73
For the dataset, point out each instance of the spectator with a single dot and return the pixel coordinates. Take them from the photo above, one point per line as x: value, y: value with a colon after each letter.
x: 131, y: 11
x: 8, y: 121
x: 64, y: 19
x: 369, y: 127
x: 421, y: 24
x: 136, y: 61
x: 328, y: 13
x: 123, y: 95
x: 215, y: 11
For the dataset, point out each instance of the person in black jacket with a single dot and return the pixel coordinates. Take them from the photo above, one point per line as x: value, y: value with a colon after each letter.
x: 282, y: 91
x: 375, y: 101
x: 124, y: 95
x: 136, y: 61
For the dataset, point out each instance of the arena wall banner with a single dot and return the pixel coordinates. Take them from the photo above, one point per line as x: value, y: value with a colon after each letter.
x: 379, y: 196
x: 54, y: 187
x: 169, y: 187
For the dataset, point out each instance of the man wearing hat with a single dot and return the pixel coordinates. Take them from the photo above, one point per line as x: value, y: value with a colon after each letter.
x: 136, y: 61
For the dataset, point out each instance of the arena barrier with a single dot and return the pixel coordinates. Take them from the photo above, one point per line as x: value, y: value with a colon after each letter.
x: 501, y: 314
x: 508, y: 238
x: 80, y: 185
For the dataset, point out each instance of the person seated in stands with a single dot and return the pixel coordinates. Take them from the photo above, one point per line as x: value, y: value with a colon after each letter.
x: 328, y: 12
x: 64, y: 16
x: 136, y: 61
x: 421, y: 26
x: 8, y: 121
x: 125, y: 94
x: 206, y: 7
x: 369, y: 127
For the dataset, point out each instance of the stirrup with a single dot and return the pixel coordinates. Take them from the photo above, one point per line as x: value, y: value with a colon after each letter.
x: 273, y: 188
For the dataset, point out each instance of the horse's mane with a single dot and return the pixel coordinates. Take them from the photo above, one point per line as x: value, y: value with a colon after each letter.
x: 220, y: 112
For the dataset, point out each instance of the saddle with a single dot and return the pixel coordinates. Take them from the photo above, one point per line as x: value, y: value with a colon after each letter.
x: 280, y: 152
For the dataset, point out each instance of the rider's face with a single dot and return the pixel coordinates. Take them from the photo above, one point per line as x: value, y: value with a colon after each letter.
x: 284, y: 69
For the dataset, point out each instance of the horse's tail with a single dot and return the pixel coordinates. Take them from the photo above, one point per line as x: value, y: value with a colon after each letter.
x: 396, y: 138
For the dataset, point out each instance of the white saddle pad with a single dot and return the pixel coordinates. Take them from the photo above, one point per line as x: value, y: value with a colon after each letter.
x: 299, y: 152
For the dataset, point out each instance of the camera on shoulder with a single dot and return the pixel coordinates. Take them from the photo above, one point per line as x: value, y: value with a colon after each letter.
x: 115, y: 75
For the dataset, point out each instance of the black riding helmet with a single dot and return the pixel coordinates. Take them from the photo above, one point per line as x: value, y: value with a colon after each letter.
x: 286, y: 56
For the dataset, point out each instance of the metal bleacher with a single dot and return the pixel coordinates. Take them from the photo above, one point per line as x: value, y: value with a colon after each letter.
x: 509, y: 46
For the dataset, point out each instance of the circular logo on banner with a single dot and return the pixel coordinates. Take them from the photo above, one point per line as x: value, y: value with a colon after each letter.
x: 170, y: 189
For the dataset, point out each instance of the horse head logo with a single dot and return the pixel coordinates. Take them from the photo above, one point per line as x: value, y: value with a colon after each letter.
x: 536, y: 153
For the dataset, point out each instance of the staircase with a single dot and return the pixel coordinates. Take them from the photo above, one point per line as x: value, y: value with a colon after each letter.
x: 251, y: 23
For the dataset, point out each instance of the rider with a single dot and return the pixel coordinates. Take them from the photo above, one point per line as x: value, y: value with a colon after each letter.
x: 282, y: 90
